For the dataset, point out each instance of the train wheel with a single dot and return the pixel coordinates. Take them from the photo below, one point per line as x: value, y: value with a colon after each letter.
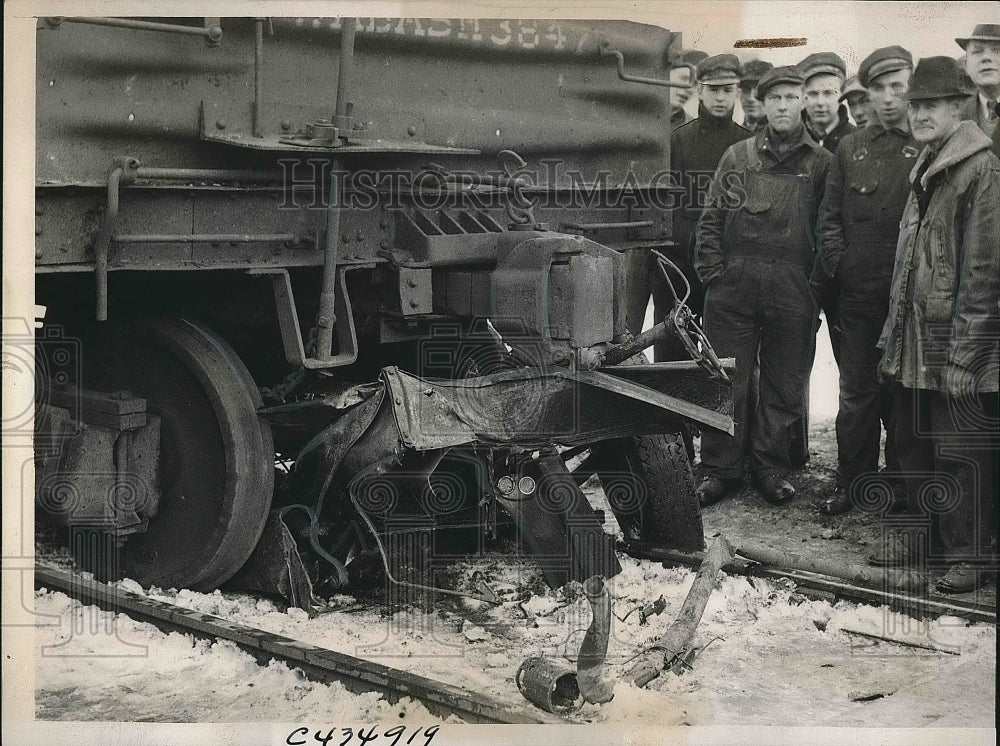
x: 216, y: 454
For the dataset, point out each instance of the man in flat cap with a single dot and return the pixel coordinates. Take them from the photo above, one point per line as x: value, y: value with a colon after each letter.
x: 982, y: 64
x: 941, y: 339
x: 855, y: 95
x: 859, y: 227
x: 755, y: 249
x: 827, y: 122
x: 753, y: 112
x: 824, y: 115
x: 695, y: 149
x: 680, y: 96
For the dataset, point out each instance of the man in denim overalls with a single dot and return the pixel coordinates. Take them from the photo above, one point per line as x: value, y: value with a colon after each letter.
x: 755, y: 250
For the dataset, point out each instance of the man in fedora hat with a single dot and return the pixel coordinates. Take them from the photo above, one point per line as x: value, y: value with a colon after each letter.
x: 754, y: 251
x: 982, y: 64
x: 855, y: 95
x: 865, y: 195
x: 695, y: 149
x: 941, y: 339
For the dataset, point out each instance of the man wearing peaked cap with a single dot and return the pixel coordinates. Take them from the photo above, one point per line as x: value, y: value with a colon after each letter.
x: 826, y: 118
x: 754, y: 251
x: 753, y: 112
x: 695, y: 149
x: 680, y: 96
x: 859, y: 226
x: 855, y: 96
x: 827, y: 123
x: 941, y: 339
x: 982, y: 64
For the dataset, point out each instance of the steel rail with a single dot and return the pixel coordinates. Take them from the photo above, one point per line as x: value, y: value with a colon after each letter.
x: 318, y: 664
x: 829, y: 587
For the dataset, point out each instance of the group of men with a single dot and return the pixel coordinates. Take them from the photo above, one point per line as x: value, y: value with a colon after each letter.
x: 891, y: 227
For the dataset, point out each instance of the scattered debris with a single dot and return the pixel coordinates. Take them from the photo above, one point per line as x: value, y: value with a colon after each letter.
x: 672, y: 646
x: 594, y: 648
x: 645, y: 612
x: 907, y: 580
x: 869, y: 695
x: 548, y: 685
x: 901, y: 641
x: 473, y: 632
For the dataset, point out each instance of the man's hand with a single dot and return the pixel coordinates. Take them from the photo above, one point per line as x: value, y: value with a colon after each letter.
x: 708, y: 274
x: 820, y: 281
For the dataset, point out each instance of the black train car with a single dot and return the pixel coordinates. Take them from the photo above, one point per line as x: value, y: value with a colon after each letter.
x: 361, y: 274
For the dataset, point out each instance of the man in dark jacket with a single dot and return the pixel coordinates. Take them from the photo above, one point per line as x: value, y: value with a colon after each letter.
x: 754, y: 254
x: 855, y: 95
x: 941, y: 340
x: 982, y: 63
x: 680, y: 96
x: 695, y: 149
x: 824, y: 115
x: 865, y: 195
x: 827, y: 122
x: 753, y: 111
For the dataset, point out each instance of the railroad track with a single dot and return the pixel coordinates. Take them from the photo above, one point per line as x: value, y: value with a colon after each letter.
x: 317, y: 664
x: 831, y: 588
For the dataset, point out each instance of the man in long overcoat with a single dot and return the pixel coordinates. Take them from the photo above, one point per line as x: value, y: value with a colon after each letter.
x: 941, y: 339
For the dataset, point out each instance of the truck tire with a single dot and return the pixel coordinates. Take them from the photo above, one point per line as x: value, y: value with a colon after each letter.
x: 650, y: 486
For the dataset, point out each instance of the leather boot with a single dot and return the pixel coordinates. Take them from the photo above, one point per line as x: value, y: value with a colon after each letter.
x: 774, y: 488
x: 712, y: 489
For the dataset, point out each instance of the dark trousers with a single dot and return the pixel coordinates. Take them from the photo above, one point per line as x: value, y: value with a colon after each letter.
x: 865, y: 405
x: 946, y: 448
x: 760, y: 312
x: 830, y: 304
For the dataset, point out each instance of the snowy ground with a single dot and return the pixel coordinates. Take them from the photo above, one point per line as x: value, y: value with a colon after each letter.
x: 774, y: 658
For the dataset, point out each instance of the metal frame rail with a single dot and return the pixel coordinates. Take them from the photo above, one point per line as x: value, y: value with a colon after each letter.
x: 318, y: 664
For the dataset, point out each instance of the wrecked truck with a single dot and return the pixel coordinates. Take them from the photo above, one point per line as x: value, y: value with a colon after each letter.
x: 325, y: 289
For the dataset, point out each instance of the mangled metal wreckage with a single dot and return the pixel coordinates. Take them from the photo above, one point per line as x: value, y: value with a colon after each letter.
x: 253, y: 376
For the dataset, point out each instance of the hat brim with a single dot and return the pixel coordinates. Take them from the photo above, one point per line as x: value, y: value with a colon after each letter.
x: 884, y: 68
x: 930, y: 96
x: 963, y: 43
x: 855, y: 92
x: 823, y: 70
x: 762, y: 92
x: 724, y: 79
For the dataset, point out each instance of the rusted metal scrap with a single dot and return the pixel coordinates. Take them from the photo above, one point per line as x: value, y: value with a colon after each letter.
x: 873, y: 577
x: 554, y: 687
x: 548, y: 685
x: 594, y: 648
x: 673, y: 645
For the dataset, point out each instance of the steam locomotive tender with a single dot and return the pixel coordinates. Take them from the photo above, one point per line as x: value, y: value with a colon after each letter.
x: 319, y: 290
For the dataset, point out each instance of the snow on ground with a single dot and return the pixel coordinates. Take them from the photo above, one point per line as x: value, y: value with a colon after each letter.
x: 118, y: 669
x: 772, y: 658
